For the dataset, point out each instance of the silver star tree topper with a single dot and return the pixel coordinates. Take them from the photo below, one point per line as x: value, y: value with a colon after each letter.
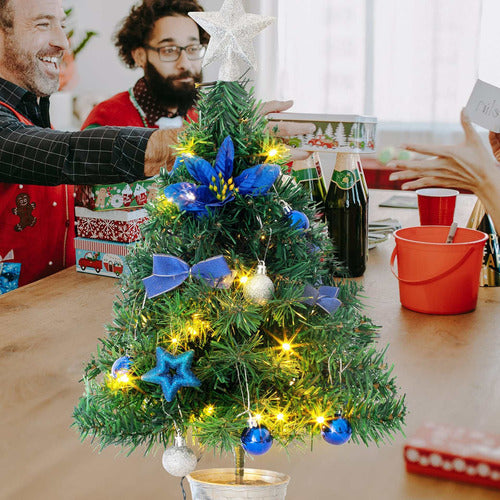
x: 231, y: 33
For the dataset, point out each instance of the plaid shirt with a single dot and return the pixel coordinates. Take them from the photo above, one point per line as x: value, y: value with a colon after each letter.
x: 40, y: 155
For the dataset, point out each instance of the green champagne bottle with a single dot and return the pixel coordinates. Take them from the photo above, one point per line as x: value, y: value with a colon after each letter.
x: 310, y: 176
x: 346, y: 210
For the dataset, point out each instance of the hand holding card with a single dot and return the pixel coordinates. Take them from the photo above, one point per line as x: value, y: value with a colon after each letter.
x: 467, y: 166
x: 483, y: 107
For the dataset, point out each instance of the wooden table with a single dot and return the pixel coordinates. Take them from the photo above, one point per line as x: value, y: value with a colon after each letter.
x: 449, y: 367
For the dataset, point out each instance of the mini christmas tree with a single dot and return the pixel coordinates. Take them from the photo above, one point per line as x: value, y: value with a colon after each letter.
x: 232, y: 325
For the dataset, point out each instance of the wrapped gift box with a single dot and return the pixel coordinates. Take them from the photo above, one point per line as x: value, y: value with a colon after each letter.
x: 122, y: 226
x: 9, y: 276
x: 105, y: 258
x: 454, y: 453
x: 334, y: 133
x: 116, y: 196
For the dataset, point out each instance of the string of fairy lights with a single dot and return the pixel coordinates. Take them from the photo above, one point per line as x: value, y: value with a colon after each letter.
x: 173, y: 343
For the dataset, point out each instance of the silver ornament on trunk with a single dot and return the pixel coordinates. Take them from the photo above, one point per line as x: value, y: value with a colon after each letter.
x: 259, y: 288
x: 179, y: 460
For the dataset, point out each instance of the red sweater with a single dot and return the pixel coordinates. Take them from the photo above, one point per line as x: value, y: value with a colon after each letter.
x: 118, y: 111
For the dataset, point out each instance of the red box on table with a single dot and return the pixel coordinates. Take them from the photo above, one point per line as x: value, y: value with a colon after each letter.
x: 115, y: 225
x: 454, y: 453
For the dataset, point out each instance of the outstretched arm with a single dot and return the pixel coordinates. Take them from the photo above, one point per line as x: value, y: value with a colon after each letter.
x: 470, y: 165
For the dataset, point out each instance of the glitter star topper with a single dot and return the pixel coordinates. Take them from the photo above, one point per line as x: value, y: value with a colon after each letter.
x: 231, y: 33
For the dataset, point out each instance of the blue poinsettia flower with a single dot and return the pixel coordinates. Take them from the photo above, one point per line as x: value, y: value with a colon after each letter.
x: 216, y: 185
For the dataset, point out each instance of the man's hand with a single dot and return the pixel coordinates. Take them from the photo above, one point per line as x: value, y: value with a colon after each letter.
x: 159, y: 152
x: 285, y: 129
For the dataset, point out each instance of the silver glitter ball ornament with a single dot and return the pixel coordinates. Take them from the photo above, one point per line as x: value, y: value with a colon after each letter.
x: 179, y: 460
x: 259, y: 288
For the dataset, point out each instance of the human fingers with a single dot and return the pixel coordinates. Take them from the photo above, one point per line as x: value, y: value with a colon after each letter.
x: 422, y: 164
x: 495, y: 144
x: 403, y: 175
x: 432, y: 181
x: 421, y: 183
x: 470, y: 132
x: 427, y: 149
x: 298, y: 154
x: 287, y: 129
x: 275, y: 106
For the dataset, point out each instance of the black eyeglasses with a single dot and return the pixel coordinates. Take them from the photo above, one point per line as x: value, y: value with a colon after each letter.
x: 172, y: 52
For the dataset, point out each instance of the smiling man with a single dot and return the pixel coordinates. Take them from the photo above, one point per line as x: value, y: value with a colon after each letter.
x: 36, y: 162
x: 159, y: 37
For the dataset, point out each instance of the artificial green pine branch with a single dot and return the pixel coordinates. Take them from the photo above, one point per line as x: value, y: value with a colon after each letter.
x: 332, y: 366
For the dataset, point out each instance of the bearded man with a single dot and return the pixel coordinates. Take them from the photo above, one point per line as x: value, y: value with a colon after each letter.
x: 36, y: 162
x: 159, y: 37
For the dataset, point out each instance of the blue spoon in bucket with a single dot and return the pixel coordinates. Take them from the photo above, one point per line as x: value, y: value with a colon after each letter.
x: 451, y: 233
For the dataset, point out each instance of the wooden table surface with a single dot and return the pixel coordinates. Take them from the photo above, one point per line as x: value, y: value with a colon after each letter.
x: 449, y: 367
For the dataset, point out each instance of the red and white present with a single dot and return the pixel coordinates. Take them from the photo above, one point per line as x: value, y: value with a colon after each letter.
x: 105, y: 258
x: 454, y: 453
x: 116, y: 225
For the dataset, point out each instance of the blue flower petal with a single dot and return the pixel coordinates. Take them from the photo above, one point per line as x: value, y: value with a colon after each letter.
x: 201, y: 171
x: 257, y: 180
x: 204, y: 195
x: 178, y: 162
x: 225, y: 158
x: 182, y: 194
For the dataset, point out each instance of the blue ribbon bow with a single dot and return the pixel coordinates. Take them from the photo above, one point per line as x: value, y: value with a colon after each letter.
x: 325, y: 297
x: 169, y: 272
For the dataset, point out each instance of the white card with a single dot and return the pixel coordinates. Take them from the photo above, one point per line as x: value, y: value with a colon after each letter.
x: 484, y: 106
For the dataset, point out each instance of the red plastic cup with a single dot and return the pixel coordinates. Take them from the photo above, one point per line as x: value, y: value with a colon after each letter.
x: 436, y: 206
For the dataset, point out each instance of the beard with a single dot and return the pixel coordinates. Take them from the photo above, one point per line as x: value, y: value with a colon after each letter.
x: 29, y: 69
x: 168, y: 92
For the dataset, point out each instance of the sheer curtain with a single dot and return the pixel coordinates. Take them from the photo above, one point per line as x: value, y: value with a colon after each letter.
x: 411, y: 63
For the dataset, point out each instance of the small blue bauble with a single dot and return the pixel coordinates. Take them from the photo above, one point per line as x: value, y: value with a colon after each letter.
x: 256, y: 440
x: 336, y: 431
x: 298, y: 220
x: 121, y: 366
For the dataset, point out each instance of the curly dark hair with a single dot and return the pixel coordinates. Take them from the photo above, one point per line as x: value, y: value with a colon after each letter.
x: 135, y: 29
x: 6, y: 16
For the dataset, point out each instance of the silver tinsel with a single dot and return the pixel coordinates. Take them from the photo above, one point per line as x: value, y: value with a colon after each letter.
x: 179, y: 460
x: 231, y: 33
x: 259, y: 288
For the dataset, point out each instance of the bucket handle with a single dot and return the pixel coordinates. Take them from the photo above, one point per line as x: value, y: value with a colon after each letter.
x: 434, y: 278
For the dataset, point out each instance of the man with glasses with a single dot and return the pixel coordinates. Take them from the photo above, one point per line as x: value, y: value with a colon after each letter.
x: 159, y: 37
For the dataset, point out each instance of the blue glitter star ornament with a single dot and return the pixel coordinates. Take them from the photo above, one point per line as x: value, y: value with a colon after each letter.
x: 172, y: 372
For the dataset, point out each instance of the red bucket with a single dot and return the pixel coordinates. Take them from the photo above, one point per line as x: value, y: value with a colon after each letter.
x: 437, y: 277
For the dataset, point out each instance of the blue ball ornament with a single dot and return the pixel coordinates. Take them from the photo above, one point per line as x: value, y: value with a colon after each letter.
x: 256, y: 440
x: 298, y: 220
x: 336, y: 431
x: 121, y: 366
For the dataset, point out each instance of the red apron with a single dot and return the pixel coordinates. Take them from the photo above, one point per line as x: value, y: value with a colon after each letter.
x: 37, y: 223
